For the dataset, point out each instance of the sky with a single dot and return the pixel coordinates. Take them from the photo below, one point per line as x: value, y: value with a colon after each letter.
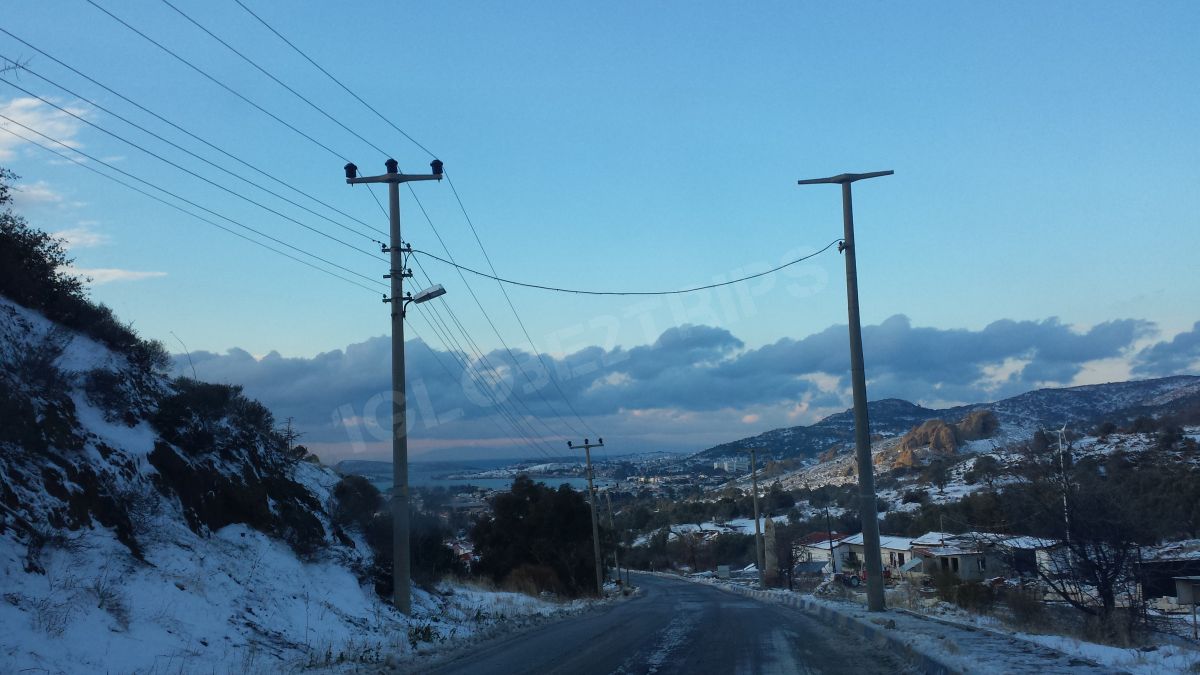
x: 1041, y: 228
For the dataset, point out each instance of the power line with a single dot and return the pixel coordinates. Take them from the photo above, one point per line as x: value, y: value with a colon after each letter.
x: 588, y: 292
x: 460, y: 355
x: 489, y: 318
x: 188, y: 201
x: 189, y: 133
x: 190, y: 172
x: 540, y: 358
x: 467, y: 335
x: 482, y: 358
x: 485, y: 388
x: 190, y: 153
x: 336, y: 80
x: 224, y: 86
x: 183, y: 210
x: 446, y: 368
x: 281, y: 83
x: 503, y: 407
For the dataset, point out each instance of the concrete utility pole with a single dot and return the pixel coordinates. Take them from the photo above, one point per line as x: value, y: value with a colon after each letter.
x: 862, y: 432
x: 612, y: 525
x: 587, y: 452
x: 401, y: 565
x: 758, y: 539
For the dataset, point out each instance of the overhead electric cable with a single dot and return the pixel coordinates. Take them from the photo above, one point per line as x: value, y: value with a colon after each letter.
x: 336, y: 80
x: 590, y: 292
x: 192, y: 173
x: 516, y: 399
x: 190, y: 153
x: 488, y: 317
x: 189, y: 133
x: 502, y: 407
x: 540, y: 357
x: 281, y: 83
x: 224, y: 86
x: 188, y: 201
x: 466, y: 334
x: 457, y: 357
x: 183, y: 210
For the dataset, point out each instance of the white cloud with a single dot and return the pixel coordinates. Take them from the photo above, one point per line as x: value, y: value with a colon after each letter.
x: 104, y: 275
x: 82, y: 236
x: 36, y: 115
x: 27, y: 195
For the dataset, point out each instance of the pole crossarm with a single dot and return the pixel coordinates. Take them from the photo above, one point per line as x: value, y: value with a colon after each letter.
x: 844, y: 178
x: 393, y: 178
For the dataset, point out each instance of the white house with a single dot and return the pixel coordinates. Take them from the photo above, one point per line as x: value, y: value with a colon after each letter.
x: 894, y: 552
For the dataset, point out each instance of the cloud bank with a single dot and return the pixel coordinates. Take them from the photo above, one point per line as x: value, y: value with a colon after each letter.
x: 693, y: 386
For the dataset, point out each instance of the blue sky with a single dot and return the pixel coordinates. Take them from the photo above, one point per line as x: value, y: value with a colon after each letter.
x: 1044, y: 157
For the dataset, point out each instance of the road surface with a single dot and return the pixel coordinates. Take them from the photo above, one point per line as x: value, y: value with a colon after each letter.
x: 678, y: 627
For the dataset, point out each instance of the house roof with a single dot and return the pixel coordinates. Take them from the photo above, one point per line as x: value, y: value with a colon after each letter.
x: 974, y: 539
x: 1188, y: 549
x: 932, y: 539
x: 820, y: 537
x: 950, y: 550
x: 885, y: 541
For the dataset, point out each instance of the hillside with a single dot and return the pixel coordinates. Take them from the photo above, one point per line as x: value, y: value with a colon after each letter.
x: 151, y: 525
x: 1019, y: 416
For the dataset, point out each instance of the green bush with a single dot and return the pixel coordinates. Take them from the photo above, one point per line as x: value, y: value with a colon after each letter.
x: 356, y: 502
x: 35, y: 273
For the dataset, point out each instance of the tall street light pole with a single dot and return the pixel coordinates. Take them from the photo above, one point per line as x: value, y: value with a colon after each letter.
x: 862, y: 432
x: 401, y: 565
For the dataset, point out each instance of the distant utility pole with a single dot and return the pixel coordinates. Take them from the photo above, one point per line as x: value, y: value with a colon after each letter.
x: 862, y: 432
x: 828, y: 530
x: 612, y: 525
x: 587, y: 452
x: 401, y: 566
x: 758, y: 540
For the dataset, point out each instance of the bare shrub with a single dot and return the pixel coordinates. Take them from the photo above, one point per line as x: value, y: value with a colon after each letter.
x: 106, y: 593
x: 532, y: 580
x: 1025, y: 606
x: 50, y: 614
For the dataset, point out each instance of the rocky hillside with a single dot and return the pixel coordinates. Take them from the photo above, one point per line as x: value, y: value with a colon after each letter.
x: 1017, y: 417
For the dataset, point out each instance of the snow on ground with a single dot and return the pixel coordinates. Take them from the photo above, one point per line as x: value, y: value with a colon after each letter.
x: 972, y: 643
x: 733, y: 526
x: 238, y: 601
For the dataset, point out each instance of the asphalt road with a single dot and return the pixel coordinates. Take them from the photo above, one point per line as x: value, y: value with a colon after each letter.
x: 678, y: 627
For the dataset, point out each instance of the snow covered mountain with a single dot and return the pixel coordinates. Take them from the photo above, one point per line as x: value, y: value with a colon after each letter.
x: 1019, y: 416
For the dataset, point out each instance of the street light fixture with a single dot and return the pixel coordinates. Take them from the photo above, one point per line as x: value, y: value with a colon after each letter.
x: 435, y: 291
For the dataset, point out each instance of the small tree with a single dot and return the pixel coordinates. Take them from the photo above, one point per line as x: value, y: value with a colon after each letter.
x: 533, y: 525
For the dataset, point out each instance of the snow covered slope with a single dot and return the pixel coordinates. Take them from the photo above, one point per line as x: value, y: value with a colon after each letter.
x: 154, y: 526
